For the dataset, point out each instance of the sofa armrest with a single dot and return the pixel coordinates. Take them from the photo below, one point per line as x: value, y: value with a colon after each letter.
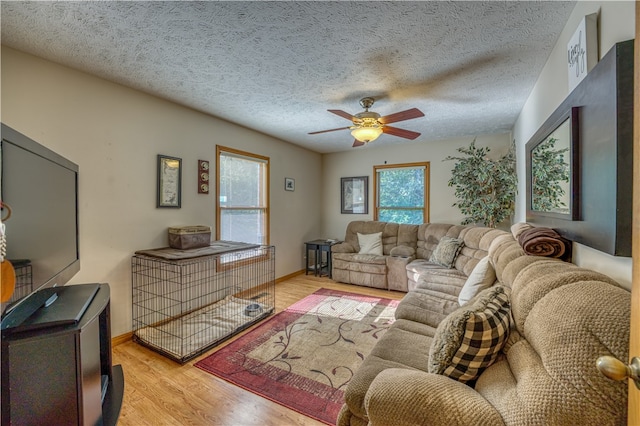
x: 397, y: 279
x: 410, y: 397
x: 403, y: 251
x: 343, y: 247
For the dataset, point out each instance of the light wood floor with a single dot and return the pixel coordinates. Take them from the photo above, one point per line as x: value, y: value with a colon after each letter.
x: 159, y: 391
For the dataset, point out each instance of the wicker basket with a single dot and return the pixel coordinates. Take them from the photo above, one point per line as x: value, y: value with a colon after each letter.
x: 189, y: 237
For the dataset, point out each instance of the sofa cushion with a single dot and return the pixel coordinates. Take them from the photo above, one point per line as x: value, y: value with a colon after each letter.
x: 393, y: 234
x: 483, y: 276
x: 357, y: 261
x: 549, y: 372
x: 404, y: 345
x: 444, y: 283
x: 477, y: 241
x: 427, y: 276
x: 429, y: 235
x: 425, y: 308
x: 470, y: 338
x: 403, y: 251
x: 446, y: 251
x: 370, y: 243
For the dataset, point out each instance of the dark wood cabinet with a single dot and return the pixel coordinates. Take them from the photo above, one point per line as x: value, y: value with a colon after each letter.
x: 62, y: 374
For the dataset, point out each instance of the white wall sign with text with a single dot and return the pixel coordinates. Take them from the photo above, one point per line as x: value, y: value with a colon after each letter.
x: 582, y: 50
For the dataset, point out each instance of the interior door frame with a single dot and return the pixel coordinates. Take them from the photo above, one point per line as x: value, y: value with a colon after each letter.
x: 634, y: 339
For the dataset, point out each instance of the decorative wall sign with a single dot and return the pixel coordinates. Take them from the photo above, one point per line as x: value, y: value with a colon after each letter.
x: 203, y: 177
x: 582, y: 50
x: 289, y: 184
x: 169, y: 181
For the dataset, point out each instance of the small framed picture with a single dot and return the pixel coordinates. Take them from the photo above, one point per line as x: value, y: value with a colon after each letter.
x: 289, y: 184
x: 353, y: 195
x: 169, y: 181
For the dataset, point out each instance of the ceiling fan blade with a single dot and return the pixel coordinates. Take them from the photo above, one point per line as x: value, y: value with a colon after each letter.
x: 407, y: 134
x: 401, y: 116
x: 357, y: 143
x: 330, y: 130
x: 341, y: 113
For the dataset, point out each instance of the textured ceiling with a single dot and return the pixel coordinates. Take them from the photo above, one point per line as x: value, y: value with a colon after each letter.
x: 277, y: 67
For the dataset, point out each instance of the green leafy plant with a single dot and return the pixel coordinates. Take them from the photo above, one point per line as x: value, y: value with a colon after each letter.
x: 485, y: 188
x: 548, y: 170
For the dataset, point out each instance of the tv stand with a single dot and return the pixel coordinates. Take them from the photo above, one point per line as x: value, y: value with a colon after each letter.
x: 62, y: 373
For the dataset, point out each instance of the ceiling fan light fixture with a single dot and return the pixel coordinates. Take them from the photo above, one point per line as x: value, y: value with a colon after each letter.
x: 366, y: 133
x: 368, y: 125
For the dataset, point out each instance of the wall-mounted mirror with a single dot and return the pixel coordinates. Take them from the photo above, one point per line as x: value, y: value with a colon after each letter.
x: 552, y: 168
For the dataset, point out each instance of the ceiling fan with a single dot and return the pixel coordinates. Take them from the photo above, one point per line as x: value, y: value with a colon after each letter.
x: 368, y: 125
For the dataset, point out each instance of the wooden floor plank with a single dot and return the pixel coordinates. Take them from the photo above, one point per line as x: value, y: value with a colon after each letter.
x: 159, y: 391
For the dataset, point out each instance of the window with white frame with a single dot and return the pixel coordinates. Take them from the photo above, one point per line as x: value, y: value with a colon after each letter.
x: 401, y: 193
x: 242, y: 183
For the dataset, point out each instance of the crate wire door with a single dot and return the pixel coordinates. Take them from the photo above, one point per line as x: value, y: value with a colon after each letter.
x: 181, y: 308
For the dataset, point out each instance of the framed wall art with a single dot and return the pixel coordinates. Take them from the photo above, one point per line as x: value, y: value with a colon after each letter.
x: 289, y: 184
x: 169, y: 181
x: 353, y: 195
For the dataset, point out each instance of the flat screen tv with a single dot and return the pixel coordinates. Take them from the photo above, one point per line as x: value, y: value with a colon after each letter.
x: 41, y: 189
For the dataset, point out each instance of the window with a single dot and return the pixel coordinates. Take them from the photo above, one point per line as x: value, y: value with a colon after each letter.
x: 242, y: 209
x: 401, y: 193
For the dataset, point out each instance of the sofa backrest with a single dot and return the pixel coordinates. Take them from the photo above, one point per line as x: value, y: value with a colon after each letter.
x: 429, y: 235
x: 565, y: 317
x: 477, y: 241
x: 502, y: 252
x: 393, y: 234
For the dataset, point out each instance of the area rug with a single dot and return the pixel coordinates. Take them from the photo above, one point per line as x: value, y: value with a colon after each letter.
x: 304, y: 357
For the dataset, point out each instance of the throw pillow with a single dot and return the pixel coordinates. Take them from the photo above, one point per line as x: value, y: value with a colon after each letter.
x: 370, y: 243
x: 446, y: 251
x: 483, y: 276
x: 470, y: 338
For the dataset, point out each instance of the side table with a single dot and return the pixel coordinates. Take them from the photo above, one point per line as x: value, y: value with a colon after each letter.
x: 320, y: 259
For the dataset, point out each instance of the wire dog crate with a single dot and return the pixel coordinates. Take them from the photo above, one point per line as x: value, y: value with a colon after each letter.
x: 187, y: 301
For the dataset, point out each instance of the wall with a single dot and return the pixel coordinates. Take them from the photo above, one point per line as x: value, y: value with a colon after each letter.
x: 616, y: 22
x: 114, y: 134
x: 360, y: 162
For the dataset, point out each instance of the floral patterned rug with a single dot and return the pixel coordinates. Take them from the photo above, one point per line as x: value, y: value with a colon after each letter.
x: 304, y: 357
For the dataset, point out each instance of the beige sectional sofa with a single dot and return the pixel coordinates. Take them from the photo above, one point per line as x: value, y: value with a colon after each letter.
x: 406, y: 253
x: 558, y: 318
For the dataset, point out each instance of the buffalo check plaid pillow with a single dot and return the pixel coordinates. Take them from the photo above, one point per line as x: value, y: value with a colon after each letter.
x: 470, y: 338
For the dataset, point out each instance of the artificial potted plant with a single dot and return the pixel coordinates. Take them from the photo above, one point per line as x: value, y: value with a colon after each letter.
x: 485, y: 188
